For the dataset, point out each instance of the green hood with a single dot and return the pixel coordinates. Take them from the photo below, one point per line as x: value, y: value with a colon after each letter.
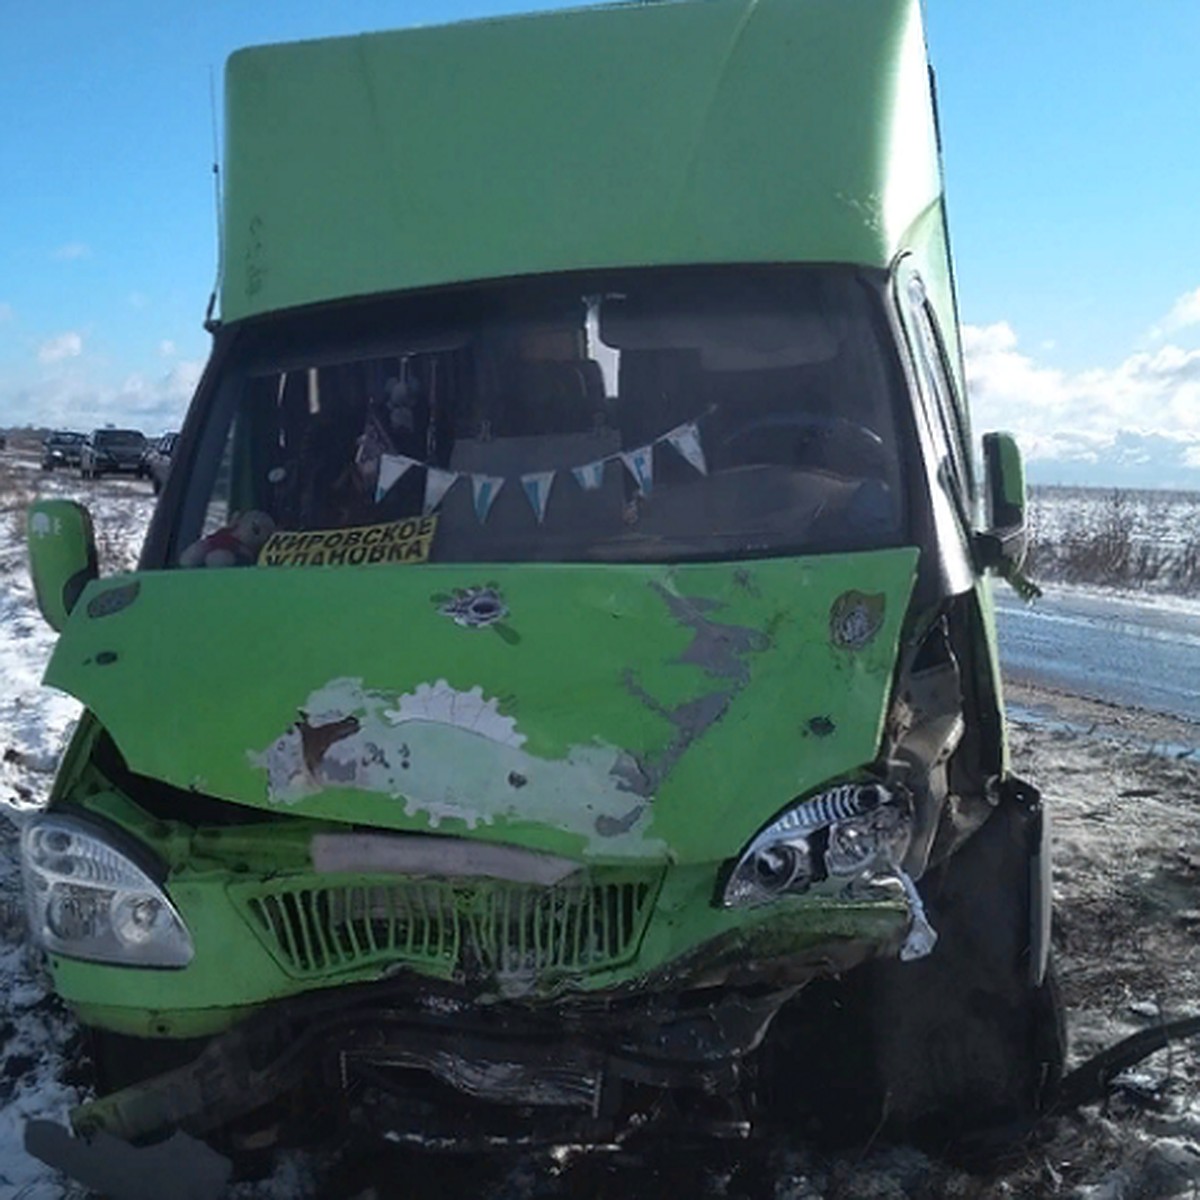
x: 609, y: 712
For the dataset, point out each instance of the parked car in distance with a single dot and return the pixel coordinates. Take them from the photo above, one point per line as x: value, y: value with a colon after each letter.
x: 61, y: 449
x: 111, y: 450
x: 156, y: 461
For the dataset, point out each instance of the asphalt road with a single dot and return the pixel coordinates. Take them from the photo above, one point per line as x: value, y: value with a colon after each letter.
x: 1111, y: 648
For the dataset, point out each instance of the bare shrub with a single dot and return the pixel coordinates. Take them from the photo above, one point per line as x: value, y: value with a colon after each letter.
x: 1106, y: 554
x: 1185, y: 569
x: 1115, y: 539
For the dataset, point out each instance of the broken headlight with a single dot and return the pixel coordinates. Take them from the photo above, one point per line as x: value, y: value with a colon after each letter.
x: 86, y: 898
x: 844, y: 831
x: 851, y: 833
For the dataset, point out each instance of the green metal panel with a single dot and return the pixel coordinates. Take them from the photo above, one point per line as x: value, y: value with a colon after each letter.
x: 692, y: 132
x: 618, y: 713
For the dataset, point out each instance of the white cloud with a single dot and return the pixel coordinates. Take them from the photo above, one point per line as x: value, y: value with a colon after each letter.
x: 1147, y: 405
x: 71, y: 251
x: 1185, y: 312
x: 64, y: 345
x: 70, y: 399
x: 147, y: 398
x: 166, y: 348
x: 1156, y: 392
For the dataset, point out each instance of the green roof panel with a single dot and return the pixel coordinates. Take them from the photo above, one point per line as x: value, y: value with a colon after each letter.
x: 697, y: 131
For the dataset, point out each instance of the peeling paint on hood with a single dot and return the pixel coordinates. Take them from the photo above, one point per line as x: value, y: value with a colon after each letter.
x: 448, y: 755
x: 639, y: 712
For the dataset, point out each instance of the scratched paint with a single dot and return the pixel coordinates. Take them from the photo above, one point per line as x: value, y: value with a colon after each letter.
x: 722, y: 651
x: 451, y: 756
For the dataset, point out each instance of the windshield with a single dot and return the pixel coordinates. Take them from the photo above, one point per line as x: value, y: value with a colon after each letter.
x: 119, y: 437
x: 638, y: 415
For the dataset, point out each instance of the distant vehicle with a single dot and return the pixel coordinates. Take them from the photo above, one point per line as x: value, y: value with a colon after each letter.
x: 61, y: 449
x: 111, y: 450
x: 3, y: 441
x: 156, y: 461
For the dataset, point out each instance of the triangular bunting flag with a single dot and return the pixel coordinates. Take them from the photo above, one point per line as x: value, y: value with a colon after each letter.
x: 686, y: 439
x: 391, y: 468
x: 640, y: 464
x: 485, y: 489
x: 590, y: 476
x: 537, y: 488
x: 437, y: 484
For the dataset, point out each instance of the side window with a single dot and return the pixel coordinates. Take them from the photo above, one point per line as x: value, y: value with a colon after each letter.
x: 942, y: 406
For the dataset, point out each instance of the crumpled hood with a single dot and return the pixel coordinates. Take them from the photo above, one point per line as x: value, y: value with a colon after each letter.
x: 609, y: 712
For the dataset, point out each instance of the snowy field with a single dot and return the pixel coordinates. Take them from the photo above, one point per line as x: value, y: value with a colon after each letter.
x: 1127, y: 883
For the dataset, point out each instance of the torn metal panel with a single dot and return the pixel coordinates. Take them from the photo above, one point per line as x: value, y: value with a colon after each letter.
x: 505, y: 1055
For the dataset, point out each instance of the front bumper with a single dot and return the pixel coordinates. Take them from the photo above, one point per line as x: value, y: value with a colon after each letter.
x: 503, y: 996
x: 579, y: 1068
x: 448, y: 1058
x: 105, y: 462
x: 612, y: 932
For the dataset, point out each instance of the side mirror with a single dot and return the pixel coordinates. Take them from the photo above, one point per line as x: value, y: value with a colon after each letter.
x: 62, y: 556
x: 1003, y: 545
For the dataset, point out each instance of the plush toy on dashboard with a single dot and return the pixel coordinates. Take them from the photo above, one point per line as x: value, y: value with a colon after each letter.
x: 234, y: 545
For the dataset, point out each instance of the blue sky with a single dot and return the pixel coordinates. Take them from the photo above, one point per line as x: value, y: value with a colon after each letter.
x: 1072, y: 144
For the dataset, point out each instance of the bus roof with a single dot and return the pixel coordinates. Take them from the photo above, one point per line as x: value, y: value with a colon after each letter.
x: 693, y: 131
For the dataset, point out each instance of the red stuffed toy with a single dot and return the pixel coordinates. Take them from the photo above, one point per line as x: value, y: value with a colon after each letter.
x: 234, y: 545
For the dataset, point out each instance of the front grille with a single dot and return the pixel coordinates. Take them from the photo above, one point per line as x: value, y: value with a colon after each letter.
x: 313, y: 927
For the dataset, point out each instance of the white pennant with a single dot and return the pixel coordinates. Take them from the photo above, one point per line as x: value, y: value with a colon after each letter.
x: 537, y: 488
x: 485, y: 489
x: 686, y: 439
x: 437, y: 484
x: 391, y: 468
x: 590, y: 476
x: 640, y: 464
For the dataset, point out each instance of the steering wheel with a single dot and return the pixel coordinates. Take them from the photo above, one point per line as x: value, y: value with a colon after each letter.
x: 815, y: 435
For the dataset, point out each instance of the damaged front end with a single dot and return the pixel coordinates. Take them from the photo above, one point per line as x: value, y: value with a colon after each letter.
x: 475, y: 1011
x: 504, y: 979
x: 462, y: 993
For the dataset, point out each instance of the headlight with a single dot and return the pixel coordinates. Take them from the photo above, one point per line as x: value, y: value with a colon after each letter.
x: 856, y: 832
x: 840, y: 833
x: 87, y: 899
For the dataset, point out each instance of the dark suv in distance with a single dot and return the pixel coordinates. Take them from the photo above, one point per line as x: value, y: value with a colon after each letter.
x: 156, y: 460
x: 61, y: 449
x: 111, y: 450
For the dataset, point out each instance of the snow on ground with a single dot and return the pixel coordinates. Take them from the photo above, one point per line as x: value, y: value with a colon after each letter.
x: 1127, y: 884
